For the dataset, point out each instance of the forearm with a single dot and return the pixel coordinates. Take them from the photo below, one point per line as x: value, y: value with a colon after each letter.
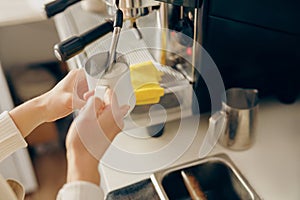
x: 29, y: 115
x: 82, y: 168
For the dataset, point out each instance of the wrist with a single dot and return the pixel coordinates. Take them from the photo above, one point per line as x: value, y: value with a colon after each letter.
x: 29, y: 115
x: 82, y: 167
x: 40, y: 106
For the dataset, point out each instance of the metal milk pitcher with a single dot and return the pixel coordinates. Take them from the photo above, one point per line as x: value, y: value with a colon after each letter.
x: 240, y: 109
x: 234, y: 126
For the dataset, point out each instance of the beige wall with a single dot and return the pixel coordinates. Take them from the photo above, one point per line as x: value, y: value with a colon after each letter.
x: 27, y: 43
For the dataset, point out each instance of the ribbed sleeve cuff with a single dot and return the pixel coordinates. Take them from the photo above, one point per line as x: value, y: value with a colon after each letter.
x: 10, y: 137
x: 79, y: 190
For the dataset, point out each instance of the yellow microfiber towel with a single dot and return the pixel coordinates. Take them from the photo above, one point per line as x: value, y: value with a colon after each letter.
x: 145, y: 81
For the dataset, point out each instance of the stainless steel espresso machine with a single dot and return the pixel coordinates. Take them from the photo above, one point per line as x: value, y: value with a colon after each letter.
x: 181, y: 16
x: 167, y: 32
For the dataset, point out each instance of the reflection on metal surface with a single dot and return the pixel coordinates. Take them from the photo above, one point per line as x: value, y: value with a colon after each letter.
x: 132, y: 8
x: 193, y: 185
x: 218, y: 177
x: 241, y: 108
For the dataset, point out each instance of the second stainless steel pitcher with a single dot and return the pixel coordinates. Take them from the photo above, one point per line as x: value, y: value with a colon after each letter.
x: 240, y: 109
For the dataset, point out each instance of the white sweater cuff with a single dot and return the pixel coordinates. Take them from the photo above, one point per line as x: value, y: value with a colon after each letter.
x: 10, y: 137
x: 79, y: 190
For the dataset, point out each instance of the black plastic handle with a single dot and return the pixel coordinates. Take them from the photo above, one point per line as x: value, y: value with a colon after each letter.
x: 74, y: 45
x: 58, y: 6
x: 118, y: 18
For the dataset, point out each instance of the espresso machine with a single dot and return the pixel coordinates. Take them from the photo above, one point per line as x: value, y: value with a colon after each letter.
x: 166, y: 31
x: 181, y: 16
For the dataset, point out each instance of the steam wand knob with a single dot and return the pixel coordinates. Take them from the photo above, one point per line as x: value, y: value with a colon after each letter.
x: 74, y: 45
x: 58, y: 6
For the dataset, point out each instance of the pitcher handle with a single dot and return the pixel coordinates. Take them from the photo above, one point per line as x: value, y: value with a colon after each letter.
x: 217, y: 125
x: 100, y: 91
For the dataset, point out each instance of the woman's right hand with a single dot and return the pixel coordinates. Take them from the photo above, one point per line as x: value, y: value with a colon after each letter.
x: 90, y: 135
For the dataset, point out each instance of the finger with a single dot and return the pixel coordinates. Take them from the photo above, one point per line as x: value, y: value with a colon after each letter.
x: 80, y: 87
x: 99, y: 105
x: 107, y: 97
x: 88, y: 94
x: 114, y: 105
x: 94, y: 106
x: 124, y: 110
x: 110, y: 98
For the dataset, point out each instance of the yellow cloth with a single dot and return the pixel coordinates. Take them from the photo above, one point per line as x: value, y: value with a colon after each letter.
x: 145, y: 81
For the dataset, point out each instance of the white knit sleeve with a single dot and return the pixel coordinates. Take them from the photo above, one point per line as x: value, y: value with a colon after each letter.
x: 10, y: 137
x: 80, y: 190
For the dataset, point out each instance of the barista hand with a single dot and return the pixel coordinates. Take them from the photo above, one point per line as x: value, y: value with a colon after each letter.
x: 60, y: 101
x: 90, y: 135
x: 66, y: 96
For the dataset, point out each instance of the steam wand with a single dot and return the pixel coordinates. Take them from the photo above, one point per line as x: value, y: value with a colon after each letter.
x: 118, y: 23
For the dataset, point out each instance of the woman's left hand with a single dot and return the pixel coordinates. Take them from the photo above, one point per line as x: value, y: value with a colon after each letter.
x: 66, y: 96
x: 59, y: 102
